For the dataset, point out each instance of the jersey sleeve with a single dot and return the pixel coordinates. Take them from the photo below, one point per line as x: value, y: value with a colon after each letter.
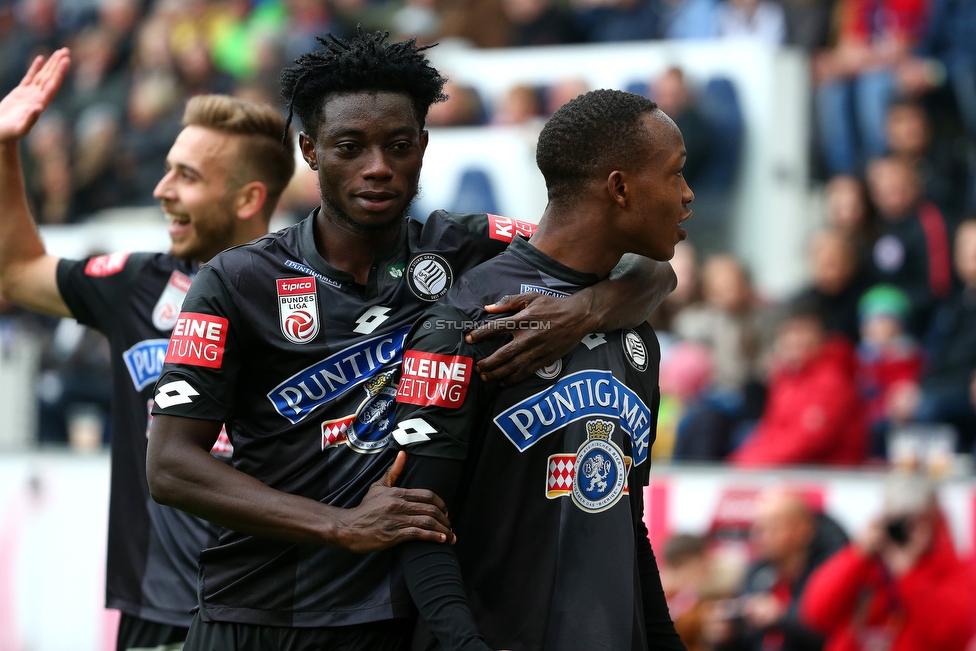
x: 94, y: 289
x: 492, y: 233
x: 204, y: 354
x: 440, y: 392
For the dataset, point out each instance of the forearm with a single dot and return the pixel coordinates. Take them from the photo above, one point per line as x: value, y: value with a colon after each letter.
x: 27, y: 273
x: 191, y: 479
x: 661, y: 633
x: 434, y: 579
x: 634, y: 290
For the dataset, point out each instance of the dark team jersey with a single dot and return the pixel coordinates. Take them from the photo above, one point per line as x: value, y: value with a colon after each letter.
x: 299, y: 362
x: 134, y: 299
x: 548, y: 511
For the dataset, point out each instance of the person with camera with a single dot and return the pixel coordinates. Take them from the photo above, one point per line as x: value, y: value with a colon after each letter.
x: 900, y: 585
x: 790, y: 540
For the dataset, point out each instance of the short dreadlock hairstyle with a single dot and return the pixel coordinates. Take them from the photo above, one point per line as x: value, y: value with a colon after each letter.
x: 592, y: 134
x: 365, y: 62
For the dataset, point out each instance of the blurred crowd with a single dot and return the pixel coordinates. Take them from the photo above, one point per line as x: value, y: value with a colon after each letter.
x: 898, y: 583
x: 883, y: 339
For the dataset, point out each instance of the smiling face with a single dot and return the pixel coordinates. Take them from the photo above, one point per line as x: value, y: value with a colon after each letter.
x: 196, y: 195
x: 660, y: 193
x: 368, y: 152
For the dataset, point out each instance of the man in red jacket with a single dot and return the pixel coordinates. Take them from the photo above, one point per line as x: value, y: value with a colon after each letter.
x: 813, y: 412
x: 900, y: 586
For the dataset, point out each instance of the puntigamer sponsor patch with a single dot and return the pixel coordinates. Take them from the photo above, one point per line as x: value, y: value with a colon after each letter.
x: 431, y: 379
x: 198, y: 340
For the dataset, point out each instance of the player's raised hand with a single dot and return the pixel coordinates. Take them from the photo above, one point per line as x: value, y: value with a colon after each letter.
x: 21, y: 108
x: 388, y: 516
x: 543, y: 329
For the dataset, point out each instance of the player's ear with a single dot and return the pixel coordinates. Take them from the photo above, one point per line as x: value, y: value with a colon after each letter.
x: 307, y: 145
x: 424, y: 138
x: 617, y: 188
x: 251, y: 199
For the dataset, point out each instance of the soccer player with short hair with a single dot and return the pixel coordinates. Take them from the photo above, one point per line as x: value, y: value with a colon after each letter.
x: 544, y: 480
x: 225, y: 174
x: 294, y: 341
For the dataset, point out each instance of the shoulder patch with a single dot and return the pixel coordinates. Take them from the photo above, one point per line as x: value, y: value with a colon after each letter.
x: 634, y: 349
x: 197, y: 340
x: 429, y: 276
x: 506, y: 228
x: 171, y: 301
x: 106, y: 265
x: 434, y: 380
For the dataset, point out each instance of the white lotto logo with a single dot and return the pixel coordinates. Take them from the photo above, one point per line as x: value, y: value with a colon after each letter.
x: 298, y: 311
x: 413, y: 430
x: 371, y: 319
x: 175, y: 393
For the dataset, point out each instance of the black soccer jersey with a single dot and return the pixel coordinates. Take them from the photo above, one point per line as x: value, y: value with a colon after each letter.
x: 134, y: 299
x: 548, y: 511
x: 299, y: 362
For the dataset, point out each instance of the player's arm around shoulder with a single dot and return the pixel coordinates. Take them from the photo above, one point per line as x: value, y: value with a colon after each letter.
x: 194, y: 395
x: 28, y: 276
x: 626, y: 299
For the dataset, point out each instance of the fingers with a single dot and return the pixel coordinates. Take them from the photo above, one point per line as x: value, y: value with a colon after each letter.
x: 511, y: 303
x: 422, y: 496
x: 393, y: 472
x: 52, y: 74
x: 32, y: 70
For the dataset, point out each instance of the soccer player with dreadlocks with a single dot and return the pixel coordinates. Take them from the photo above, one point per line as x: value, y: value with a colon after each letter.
x: 294, y: 340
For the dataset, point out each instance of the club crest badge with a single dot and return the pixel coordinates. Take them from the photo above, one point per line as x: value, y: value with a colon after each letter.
x: 170, y: 302
x: 551, y: 371
x: 429, y: 276
x: 298, y: 310
x: 596, y: 476
x: 369, y: 429
x: 634, y: 349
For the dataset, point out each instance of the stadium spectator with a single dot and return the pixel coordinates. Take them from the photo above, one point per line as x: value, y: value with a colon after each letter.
x: 813, y: 413
x: 850, y: 212
x: 684, y: 576
x: 687, y: 292
x: 941, y: 164
x: 730, y: 324
x: 943, y: 394
x: 946, y: 56
x: 888, y: 356
x: 540, y: 22
x: 606, y: 21
x: 520, y: 105
x: 912, y: 251
x: 790, y: 541
x: 672, y: 94
x: 462, y: 108
x: 900, y: 585
x: 858, y: 72
x: 837, y: 282
x: 562, y: 91
x: 762, y: 21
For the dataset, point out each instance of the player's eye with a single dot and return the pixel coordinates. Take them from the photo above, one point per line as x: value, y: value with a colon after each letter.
x: 347, y: 147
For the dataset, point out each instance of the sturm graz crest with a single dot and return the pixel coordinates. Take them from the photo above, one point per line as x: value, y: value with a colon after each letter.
x: 429, y: 276
x: 600, y: 470
x: 634, y: 349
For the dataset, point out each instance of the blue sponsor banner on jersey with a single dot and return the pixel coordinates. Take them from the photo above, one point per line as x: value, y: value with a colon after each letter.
x: 545, y: 291
x: 585, y: 394
x: 145, y: 361
x: 299, y: 395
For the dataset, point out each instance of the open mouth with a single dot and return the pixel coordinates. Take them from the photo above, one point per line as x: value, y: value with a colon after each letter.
x: 178, y: 224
